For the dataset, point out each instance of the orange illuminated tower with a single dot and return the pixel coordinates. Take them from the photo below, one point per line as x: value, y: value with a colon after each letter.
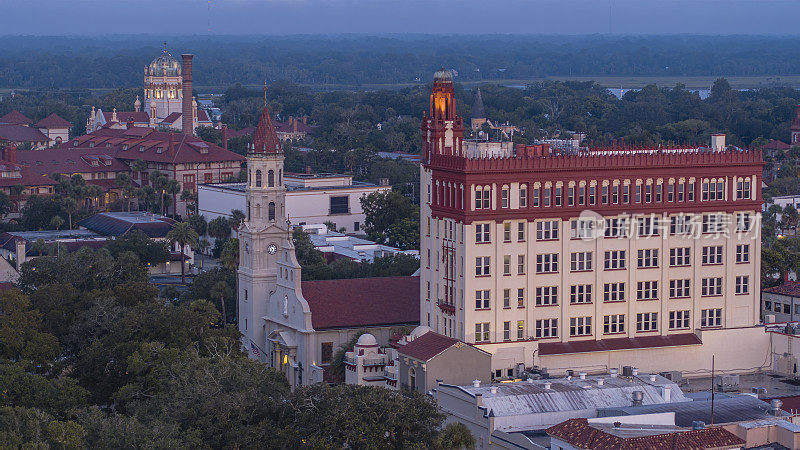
x: 442, y: 129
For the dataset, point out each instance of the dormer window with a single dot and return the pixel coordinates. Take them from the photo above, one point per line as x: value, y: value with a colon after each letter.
x: 91, y: 144
x: 124, y: 146
x: 141, y: 148
x: 159, y: 149
x: 108, y: 144
x: 75, y: 143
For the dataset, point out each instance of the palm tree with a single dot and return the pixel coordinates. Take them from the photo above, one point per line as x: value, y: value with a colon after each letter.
x: 230, y: 260
x: 70, y: 206
x: 160, y: 186
x: 237, y: 217
x: 221, y: 290
x: 125, y: 182
x: 56, y: 222
x: 219, y: 228
x: 184, y: 235
x: 189, y: 197
x: 173, y: 187
x: 39, y: 246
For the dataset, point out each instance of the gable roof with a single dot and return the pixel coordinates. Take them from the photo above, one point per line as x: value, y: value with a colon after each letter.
x: 71, y: 160
x: 53, y: 121
x: 16, y: 118
x: 123, y: 116
x: 21, y: 133
x: 362, y: 302
x: 790, y: 288
x: 154, y: 146
x: 265, y: 139
x: 428, y: 345
x: 580, y: 434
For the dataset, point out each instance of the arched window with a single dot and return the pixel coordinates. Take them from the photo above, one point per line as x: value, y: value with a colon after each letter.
x: 258, y: 210
x: 258, y: 178
x: 271, y: 211
x: 271, y: 178
x: 412, y: 379
x: 248, y: 210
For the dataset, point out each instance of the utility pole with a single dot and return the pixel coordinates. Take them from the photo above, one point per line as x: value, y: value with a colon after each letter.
x: 712, y: 390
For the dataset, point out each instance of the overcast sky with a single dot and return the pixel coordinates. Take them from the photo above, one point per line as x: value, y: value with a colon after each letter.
x: 164, y: 17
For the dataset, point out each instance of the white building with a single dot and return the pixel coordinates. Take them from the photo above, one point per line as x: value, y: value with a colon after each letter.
x: 335, y: 245
x: 310, y: 199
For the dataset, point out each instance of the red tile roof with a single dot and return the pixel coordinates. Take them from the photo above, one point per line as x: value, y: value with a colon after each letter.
x: 776, y: 145
x: 790, y: 288
x: 15, y: 117
x: 172, y: 118
x: 428, y: 345
x: 151, y: 145
x: 362, y: 302
x: 580, y: 434
x: 53, y: 121
x: 71, y: 160
x: 265, y: 139
x: 670, y: 340
x: 123, y: 116
x: 239, y: 133
x: 287, y: 127
x: 28, y: 178
x: 21, y: 133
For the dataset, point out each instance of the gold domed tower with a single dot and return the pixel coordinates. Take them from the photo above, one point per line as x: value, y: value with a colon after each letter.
x: 162, y: 84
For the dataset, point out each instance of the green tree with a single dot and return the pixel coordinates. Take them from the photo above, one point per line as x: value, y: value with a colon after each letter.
x: 390, y: 215
x: 455, y: 436
x: 236, y: 220
x: 220, y: 291
x: 6, y: 205
x: 183, y: 234
x: 21, y: 335
x: 56, y: 222
x: 198, y: 223
x: 149, y: 251
x: 230, y: 260
x: 202, y: 247
x: 219, y: 228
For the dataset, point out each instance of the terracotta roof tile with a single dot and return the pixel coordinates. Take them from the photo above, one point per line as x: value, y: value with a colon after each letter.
x: 123, y: 116
x: 71, y: 160
x: 172, y: 118
x: 790, y: 288
x: 428, y: 345
x: 53, y: 121
x: 265, y: 139
x: 670, y: 340
x: 362, y: 302
x: 580, y: 434
x: 16, y: 118
x: 21, y: 133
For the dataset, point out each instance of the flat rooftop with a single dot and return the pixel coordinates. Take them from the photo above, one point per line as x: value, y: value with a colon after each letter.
x: 774, y: 384
x: 56, y: 235
x: 135, y: 216
x: 241, y: 187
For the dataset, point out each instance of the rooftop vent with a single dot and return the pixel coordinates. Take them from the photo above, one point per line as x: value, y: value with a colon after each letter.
x: 476, y: 383
x: 652, y: 378
x: 635, y: 371
x: 547, y: 386
x: 494, y: 389
x: 613, y: 372
x: 627, y: 371
x: 775, y: 407
x: 636, y: 398
x: 600, y: 381
x: 698, y: 424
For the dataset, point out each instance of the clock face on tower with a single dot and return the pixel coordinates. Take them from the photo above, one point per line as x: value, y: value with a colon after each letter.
x: 272, y: 249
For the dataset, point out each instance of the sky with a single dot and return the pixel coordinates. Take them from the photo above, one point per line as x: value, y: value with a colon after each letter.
x: 284, y: 17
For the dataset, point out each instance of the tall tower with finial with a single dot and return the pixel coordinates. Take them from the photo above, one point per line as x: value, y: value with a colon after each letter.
x: 264, y: 236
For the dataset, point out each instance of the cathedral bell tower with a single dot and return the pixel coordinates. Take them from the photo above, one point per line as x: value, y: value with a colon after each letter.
x: 264, y: 233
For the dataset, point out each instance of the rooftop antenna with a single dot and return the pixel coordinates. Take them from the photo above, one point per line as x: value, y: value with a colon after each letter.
x: 209, y: 16
x: 165, y: 47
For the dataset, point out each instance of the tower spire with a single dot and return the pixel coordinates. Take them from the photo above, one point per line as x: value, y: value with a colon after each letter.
x: 265, y: 94
x: 165, y: 47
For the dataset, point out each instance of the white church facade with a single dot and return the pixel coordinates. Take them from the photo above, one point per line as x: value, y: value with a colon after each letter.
x: 292, y: 325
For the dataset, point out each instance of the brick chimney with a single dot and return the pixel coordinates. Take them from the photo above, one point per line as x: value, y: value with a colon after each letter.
x: 129, y: 124
x: 11, y: 153
x: 187, y: 120
x: 294, y: 125
x: 225, y: 137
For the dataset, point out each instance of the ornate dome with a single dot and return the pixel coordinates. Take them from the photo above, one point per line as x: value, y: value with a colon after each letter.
x: 165, y: 65
x: 366, y: 340
x: 443, y: 75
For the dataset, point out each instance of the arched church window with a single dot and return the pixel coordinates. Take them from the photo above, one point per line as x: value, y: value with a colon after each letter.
x: 280, y: 177
x: 271, y: 178
x: 258, y: 178
x: 258, y: 210
x: 271, y: 211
